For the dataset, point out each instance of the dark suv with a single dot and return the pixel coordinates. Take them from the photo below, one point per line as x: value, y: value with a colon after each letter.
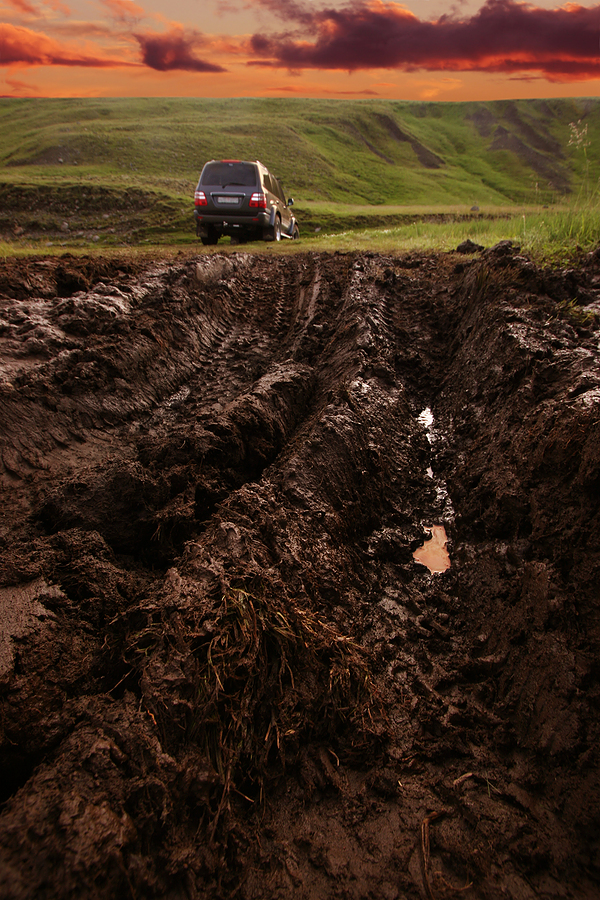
x: 241, y: 199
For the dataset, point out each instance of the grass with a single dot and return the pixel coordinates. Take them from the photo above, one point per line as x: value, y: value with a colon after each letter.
x: 548, y: 234
x: 271, y: 675
x: 567, y: 232
x: 370, y: 152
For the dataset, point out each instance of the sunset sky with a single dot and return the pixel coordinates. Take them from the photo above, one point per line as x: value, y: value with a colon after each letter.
x: 417, y: 50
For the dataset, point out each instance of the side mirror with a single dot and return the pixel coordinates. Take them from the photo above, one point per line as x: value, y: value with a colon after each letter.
x: 290, y: 201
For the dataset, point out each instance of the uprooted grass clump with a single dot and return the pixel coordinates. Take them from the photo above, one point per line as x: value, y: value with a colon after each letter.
x: 573, y: 312
x: 249, y: 677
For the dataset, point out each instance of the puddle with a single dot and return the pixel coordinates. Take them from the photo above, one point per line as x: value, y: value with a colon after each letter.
x: 426, y: 419
x: 433, y: 553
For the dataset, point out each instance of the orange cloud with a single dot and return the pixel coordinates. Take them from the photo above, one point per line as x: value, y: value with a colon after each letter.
x: 124, y: 10
x: 58, y: 6
x: 288, y: 89
x: 297, y: 89
x: 20, y: 45
x: 19, y: 88
x: 23, y: 6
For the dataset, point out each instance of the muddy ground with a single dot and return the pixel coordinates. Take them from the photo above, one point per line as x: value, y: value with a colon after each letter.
x: 222, y: 672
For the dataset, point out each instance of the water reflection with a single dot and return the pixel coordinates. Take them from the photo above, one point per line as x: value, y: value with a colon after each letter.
x: 433, y: 553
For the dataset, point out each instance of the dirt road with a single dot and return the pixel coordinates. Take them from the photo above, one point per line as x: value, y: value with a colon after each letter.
x: 222, y: 671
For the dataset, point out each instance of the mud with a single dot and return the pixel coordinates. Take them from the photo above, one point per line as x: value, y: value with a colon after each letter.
x: 223, y: 673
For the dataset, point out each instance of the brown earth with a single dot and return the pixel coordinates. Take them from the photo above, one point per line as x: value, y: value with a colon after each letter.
x: 222, y: 672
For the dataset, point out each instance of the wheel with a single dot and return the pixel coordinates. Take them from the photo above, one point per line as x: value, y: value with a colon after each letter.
x: 212, y: 237
x: 295, y: 233
x: 274, y: 233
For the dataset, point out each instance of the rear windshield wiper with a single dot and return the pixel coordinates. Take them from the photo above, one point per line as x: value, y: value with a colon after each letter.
x: 227, y: 183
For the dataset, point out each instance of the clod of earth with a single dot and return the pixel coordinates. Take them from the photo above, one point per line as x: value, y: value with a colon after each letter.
x: 223, y: 673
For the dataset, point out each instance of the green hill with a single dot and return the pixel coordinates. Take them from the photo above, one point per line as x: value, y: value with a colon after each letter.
x: 383, y: 155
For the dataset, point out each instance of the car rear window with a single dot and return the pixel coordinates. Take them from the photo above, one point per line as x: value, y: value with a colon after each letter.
x: 223, y: 173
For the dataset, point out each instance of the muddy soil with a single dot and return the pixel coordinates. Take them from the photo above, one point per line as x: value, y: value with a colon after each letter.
x: 222, y: 671
x: 80, y: 214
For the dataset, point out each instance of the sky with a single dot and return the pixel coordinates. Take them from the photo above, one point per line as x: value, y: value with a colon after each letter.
x: 416, y: 50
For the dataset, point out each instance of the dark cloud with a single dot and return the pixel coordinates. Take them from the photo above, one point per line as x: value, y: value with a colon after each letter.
x: 174, y: 50
x: 503, y: 36
x: 289, y: 10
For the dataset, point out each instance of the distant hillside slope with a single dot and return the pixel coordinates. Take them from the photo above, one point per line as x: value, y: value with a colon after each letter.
x: 363, y: 151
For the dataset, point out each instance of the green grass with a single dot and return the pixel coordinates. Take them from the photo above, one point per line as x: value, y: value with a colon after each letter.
x: 343, y: 151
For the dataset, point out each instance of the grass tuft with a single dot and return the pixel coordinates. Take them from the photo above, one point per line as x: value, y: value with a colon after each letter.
x: 260, y: 677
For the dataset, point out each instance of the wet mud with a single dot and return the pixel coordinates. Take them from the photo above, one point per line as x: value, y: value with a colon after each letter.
x: 223, y: 673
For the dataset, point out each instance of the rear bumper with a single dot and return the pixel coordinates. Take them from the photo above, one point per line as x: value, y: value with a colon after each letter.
x: 222, y: 223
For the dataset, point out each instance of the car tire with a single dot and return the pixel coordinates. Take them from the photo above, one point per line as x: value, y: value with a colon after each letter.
x: 211, y: 238
x: 274, y: 232
x: 295, y: 233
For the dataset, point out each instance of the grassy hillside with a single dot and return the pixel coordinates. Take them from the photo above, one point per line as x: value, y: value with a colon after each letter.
x: 369, y: 151
x: 343, y: 161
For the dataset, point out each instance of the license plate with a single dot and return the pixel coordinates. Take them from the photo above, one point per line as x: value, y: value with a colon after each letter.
x: 235, y: 200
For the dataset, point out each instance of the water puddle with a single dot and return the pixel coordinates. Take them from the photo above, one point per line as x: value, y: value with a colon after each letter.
x: 433, y: 553
x: 425, y: 418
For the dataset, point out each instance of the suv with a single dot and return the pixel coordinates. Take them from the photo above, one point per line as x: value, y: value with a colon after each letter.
x: 241, y: 199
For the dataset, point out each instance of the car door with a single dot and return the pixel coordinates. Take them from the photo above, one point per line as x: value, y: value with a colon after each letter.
x: 269, y: 189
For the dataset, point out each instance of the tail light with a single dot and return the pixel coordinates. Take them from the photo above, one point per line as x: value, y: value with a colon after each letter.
x: 200, y: 198
x: 258, y: 200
